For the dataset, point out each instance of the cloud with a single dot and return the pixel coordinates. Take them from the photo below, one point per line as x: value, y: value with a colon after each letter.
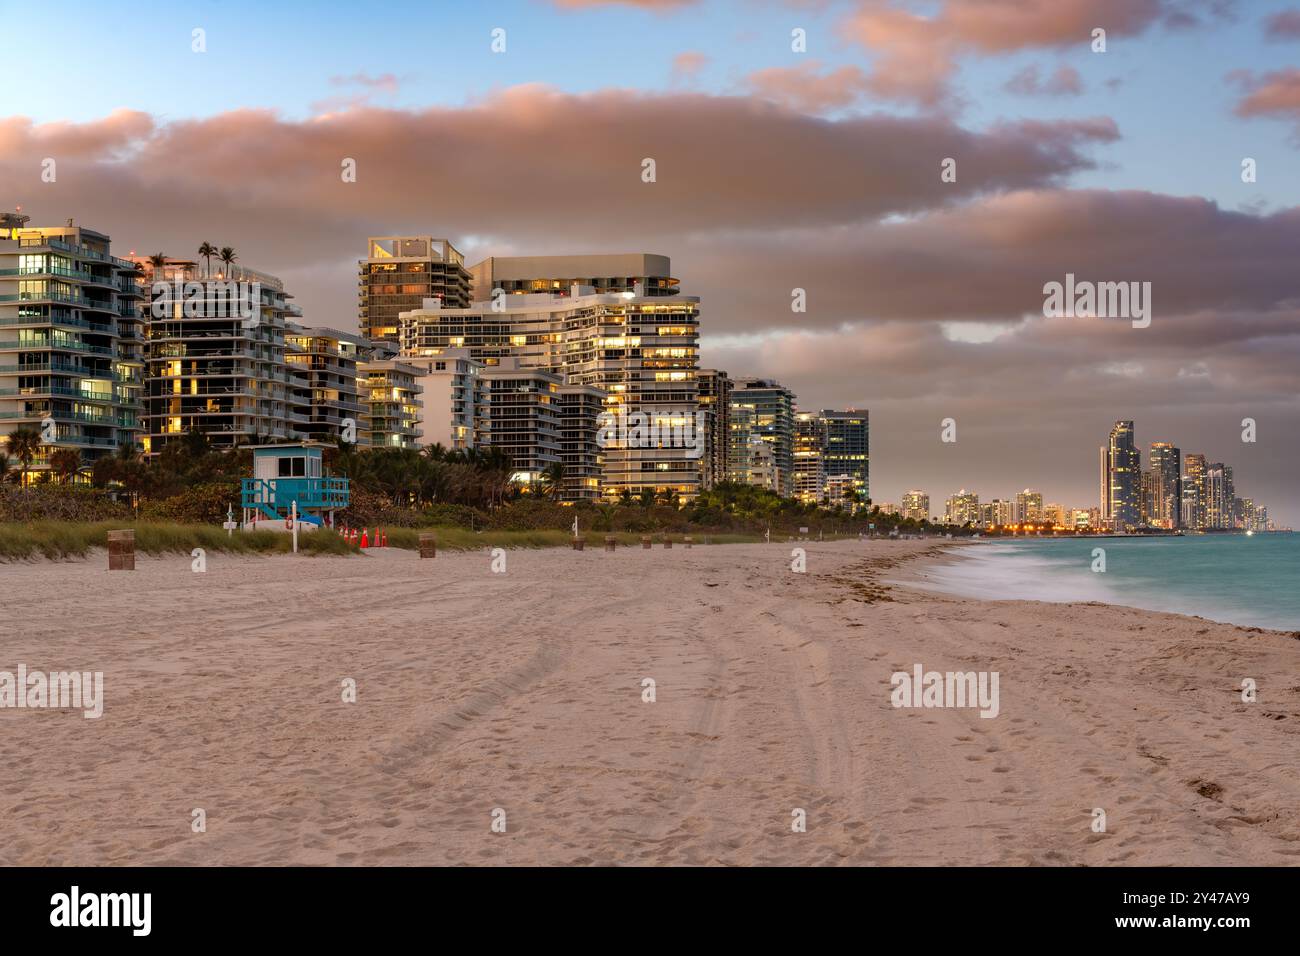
x: 915, y: 56
x: 386, y: 83
x: 731, y: 163
x: 687, y: 65
x: 1275, y: 94
x: 807, y: 89
x: 1284, y: 25
x: 987, y: 261
x: 1066, y: 81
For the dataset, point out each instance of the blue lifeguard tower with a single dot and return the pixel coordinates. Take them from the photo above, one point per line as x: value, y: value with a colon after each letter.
x: 284, y: 474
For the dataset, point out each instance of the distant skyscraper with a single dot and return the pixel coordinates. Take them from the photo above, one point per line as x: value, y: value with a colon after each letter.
x: 916, y: 505
x: 1218, y: 496
x: 1103, y: 504
x: 1123, y: 477
x: 962, y: 507
x: 1166, y: 484
x: 1029, y: 505
x: 1193, y: 492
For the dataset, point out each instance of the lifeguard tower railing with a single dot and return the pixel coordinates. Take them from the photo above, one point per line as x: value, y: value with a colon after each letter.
x: 274, y: 497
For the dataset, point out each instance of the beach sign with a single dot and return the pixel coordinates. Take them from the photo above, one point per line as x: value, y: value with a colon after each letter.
x: 230, y: 524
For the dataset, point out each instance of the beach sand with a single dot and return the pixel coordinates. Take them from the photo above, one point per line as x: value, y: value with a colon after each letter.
x: 523, y: 691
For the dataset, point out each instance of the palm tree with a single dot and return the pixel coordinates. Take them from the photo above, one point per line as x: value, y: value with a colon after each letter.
x: 158, y: 260
x: 23, y: 444
x: 552, y: 480
x: 66, y: 463
x: 227, y: 255
x: 207, y: 250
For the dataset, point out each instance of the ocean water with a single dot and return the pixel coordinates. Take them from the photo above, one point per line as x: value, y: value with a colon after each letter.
x: 1253, y: 581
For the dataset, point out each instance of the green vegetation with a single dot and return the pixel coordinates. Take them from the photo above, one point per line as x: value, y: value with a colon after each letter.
x: 74, y: 539
x: 178, y: 499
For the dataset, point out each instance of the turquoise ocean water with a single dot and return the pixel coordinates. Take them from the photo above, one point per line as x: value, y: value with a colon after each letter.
x: 1252, y: 580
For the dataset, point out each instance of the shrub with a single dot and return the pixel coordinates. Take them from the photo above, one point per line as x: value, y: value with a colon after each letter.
x: 200, y: 504
x: 58, y: 503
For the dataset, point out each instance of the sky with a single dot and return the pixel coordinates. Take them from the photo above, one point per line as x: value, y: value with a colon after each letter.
x: 776, y: 168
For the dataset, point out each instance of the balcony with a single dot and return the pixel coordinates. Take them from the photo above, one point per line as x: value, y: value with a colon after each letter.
x: 29, y: 321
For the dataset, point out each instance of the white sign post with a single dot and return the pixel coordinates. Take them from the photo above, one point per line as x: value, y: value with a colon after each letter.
x: 293, y: 517
x: 229, y: 524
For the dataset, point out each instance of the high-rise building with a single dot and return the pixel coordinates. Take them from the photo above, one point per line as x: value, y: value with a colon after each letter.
x: 1103, y: 509
x: 1146, y: 496
x: 642, y: 351
x: 760, y: 467
x: 1029, y: 506
x: 390, y: 391
x: 997, y: 513
x: 1166, y: 484
x: 454, y: 400
x: 71, y: 364
x: 809, y: 457
x: 961, y: 508
x: 842, y: 492
x: 1124, y: 477
x: 216, y: 355
x: 1055, y: 513
x: 916, y: 505
x: 740, y: 420
x: 400, y: 273
x: 771, y: 405
x: 581, y: 407
x: 1193, y: 492
x: 525, y: 411
x: 1219, y: 496
x: 847, y: 448
x: 325, y: 363
x: 715, y: 406
x: 557, y: 275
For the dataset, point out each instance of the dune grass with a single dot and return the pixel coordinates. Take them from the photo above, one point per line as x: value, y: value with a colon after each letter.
x: 60, y: 540
x: 74, y: 539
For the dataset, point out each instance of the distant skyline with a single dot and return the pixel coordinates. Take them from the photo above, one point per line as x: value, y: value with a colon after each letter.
x: 776, y: 170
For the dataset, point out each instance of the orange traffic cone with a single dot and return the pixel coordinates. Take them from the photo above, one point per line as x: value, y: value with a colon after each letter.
x: 385, y: 544
x: 365, y: 540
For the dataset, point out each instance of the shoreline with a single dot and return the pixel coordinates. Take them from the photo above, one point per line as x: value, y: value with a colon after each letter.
x: 915, y: 576
x: 523, y: 691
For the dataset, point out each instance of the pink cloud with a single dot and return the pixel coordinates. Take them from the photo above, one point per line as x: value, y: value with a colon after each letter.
x: 915, y: 56
x: 1274, y: 94
x: 807, y: 89
x: 687, y: 64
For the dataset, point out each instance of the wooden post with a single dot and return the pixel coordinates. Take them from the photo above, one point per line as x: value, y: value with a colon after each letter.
x: 611, y: 542
x: 645, y: 541
x: 687, y: 541
x: 121, y: 550
x: 668, y: 542
x: 428, y: 545
x: 578, y: 543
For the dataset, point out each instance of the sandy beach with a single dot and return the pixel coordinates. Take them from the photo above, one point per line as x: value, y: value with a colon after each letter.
x: 523, y: 691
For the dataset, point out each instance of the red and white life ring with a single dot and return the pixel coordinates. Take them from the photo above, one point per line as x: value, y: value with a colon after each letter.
x: 288, y: 523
